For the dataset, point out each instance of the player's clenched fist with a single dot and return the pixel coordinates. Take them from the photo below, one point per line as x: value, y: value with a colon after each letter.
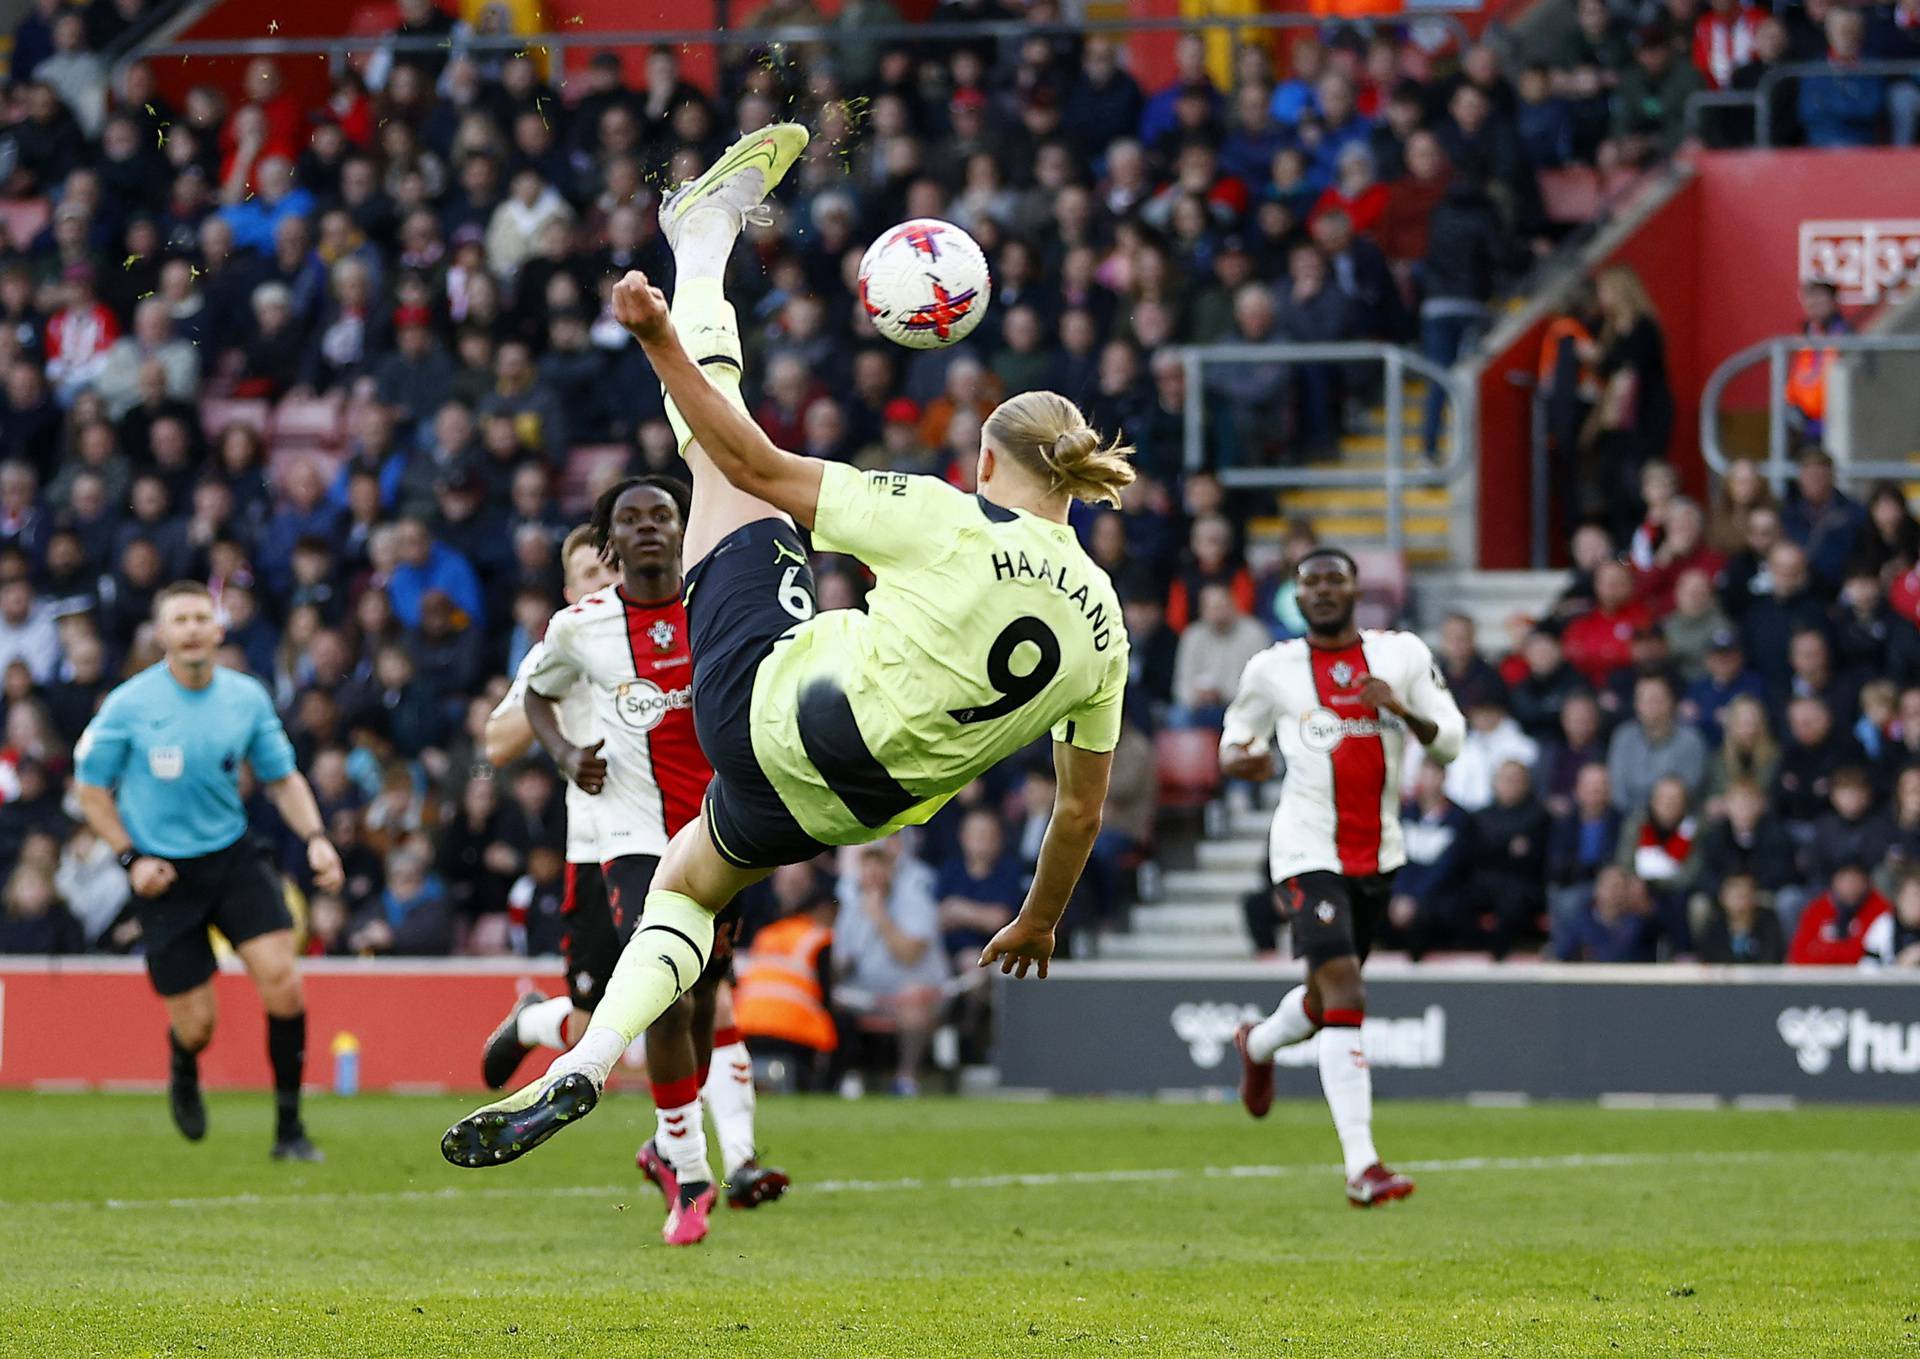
x: 640, y: 307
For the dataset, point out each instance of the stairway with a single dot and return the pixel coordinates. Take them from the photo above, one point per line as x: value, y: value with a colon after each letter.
x: 1196, y: 916
x: 1356, y: 516
x: 1489, y: 598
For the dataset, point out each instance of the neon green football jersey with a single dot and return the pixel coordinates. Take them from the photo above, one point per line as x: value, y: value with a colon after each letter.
x: 986, y: 628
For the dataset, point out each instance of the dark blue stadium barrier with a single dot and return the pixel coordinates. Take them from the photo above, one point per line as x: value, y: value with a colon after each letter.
x: 1542, y: 1031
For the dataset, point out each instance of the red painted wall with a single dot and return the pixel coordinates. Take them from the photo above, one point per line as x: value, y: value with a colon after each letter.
x: 1722, y: 261
x: 99, y: 1022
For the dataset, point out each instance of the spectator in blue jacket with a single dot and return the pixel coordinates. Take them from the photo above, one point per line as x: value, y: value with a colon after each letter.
x: 1843, y: 108
x: 1190, y: 63
x: 1727, y: 678
x: 1426, y: 897
x: 1823, y: 520
x: 426, y: 565
x: 307, y: 513
x: 275, y: 198
x: 1616, y: 927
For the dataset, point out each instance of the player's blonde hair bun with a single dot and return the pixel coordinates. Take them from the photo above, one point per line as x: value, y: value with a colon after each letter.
x: 1046, y: 433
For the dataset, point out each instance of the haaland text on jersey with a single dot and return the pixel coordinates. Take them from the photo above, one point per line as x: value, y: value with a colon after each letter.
x: 1019, y: 568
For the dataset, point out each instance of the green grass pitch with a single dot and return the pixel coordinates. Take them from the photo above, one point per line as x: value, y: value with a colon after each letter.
x: 1147, y: 1229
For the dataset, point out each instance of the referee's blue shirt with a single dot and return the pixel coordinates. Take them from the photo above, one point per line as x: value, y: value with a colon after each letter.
x: 172, y: 757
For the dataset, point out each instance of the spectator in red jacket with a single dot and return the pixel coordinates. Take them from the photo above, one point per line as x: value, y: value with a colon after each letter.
x: 1600, y: 641
x: 1723, y: 40
x: 1833, y: 928
x: 1683, y: 547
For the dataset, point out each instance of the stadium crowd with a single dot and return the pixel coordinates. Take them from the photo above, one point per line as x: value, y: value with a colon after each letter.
x: 353, y: 365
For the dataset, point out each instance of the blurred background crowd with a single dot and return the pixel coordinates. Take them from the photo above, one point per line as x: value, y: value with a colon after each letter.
x: 352, y: 364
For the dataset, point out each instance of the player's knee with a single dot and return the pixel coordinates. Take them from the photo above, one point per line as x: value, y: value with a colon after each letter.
x: 280, y: 991
x: 1340, y: 987
x: 193, y: 1024
x: 676, y: 1019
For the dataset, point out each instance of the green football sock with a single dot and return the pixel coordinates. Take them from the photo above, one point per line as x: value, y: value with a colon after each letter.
x: 705, y: 320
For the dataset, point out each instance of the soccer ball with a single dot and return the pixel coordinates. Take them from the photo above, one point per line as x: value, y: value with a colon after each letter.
x: 925, y: 284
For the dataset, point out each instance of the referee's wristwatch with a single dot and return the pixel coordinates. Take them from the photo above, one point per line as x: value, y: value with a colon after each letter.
x: 127, y: 858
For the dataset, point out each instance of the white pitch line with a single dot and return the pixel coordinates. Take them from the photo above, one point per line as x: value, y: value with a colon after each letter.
x: 914, y: 1184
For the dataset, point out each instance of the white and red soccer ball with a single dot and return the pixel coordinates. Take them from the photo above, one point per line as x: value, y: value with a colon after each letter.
x: 924, y: 284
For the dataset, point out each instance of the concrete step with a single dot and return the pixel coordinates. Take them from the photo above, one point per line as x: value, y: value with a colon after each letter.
x: 1176, y: 947
x: 1433, y: 499
x: 1490, y: 598
x: 1171, y: 918
x: 1375, y: 445
x: 1195, y: 884
x: 1242, y: 854
x: 1360, y: 525
x: 1248, y: 823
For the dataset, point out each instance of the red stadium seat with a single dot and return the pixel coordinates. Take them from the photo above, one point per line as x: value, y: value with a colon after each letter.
x: 1189, y: 766
x: 1571, y: 195
x: 587, y: 469
x: 307, y: 420
x: 1384, y: 584
x: 282, y: 456
x: 24, y: 219
x: 216, y: 413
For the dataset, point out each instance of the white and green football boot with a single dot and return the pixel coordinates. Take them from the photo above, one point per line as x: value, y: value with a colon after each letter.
x: 740, y: 180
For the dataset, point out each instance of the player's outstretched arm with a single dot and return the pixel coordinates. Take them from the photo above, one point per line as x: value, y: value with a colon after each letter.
x: 1079, y: 800
x: 740, y: 450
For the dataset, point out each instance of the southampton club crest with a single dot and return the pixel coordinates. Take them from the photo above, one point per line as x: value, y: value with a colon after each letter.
x: 662, y: 634
x: 1342, y: 674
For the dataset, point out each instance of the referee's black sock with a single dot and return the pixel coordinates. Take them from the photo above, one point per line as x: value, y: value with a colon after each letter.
x: 287, y: 1050
x: 186, y: 1063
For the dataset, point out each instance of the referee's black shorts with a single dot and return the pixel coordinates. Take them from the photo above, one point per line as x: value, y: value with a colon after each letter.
x: 236, y: 889
x: 737, y: 607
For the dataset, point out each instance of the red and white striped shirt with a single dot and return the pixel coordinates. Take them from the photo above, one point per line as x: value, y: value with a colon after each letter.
x: 1340, y: 801
x: 634, y: 660
x: 1723, y: 43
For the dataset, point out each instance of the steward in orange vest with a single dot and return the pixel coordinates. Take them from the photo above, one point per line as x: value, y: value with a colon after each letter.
x: 780, y: 991
x: 1807, y: 369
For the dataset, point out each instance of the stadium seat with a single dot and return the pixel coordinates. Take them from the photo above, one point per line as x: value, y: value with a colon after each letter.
x: 1188, y: 762
x: 307, y: 420
x: 588, y: 468
x: 24, y: 219
x: 1571, y: 194
x: 281, y: 456
x: 216, y: 413
x: 1384, y: 585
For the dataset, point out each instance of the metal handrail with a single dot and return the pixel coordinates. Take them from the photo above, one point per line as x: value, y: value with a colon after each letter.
x: 1760, y: 97
x: 1398, y: 362
x: 1776, y: 350
x: 792, y: 34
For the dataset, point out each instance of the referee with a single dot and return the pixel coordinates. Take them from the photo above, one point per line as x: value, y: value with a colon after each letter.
x: 158, y: 773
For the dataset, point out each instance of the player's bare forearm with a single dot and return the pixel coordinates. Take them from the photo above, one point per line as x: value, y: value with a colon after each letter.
x: 293, y: 797
x: 740, y: 451
x: 509, y: 735
x: 543, y: 725
x: 1422, y: 729
x: 103, y: 817
x: 1063, y: 858
x: 1239, y: 762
